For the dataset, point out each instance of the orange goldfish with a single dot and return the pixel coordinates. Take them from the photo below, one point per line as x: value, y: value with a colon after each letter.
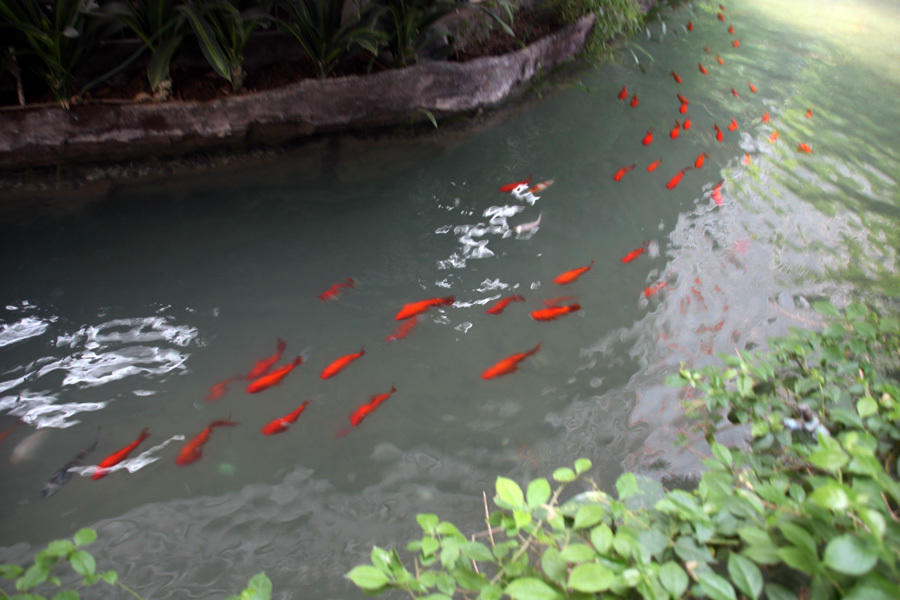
x: 340, y: 364
x: 119, y: 455
x: 651, y: 290
x: 634, y: 254
x: 219, y: 389
x: 707, y: 50
x: 623, y: 93
x: 719, y: 136
x: 374, y: 402
x: 731, y: 29
x: 675, y: 131
x: 804, y: 147
x: 634, y: 100
x: 537, y: 189
x: 652, y: 166
x: 752, y: 87
x: 733, y: 125
x: 686, y: 125
x: 681, y: 98
x: 717, y: 193
x: 511, y: 186
x: 502, y: 303
x: 698, y: 164
x: 414, y: 308
x: 677, y: 178
x: 809, y: 113
x: 333, y: 291
x: 734, y: 93
x: 765, y: 118
x: 690, y: 26
x: 621, y: 172
x: 509, y: 364
x: 676, y: 77
x: 719, y: 60
x: 721, y: 17
x: 273, y: 378
x: 736, y: 43
x: 773, y: 137
x: 553, y: 312
x: 702, y: 69
x: 262, y: 366
x: 746, y: 158
x: 648, y: 138
x: 570, y: 276
x: 683, y: 108
x: 402, y: 330
x: 193, y: 449
x: 280, y: 425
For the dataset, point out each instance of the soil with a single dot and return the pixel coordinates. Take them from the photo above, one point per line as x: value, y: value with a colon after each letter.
x: 193, y: 83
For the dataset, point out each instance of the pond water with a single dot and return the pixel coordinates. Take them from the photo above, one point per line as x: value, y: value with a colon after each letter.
x: 122, y: 312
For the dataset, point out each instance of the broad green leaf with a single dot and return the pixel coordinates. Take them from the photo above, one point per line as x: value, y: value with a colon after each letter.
x: 778, y: 592
x: 477, y: 551
x: 446, y: 583
x: 745, y: 575
x: 553, y: 565
x: 34, y: 576
x: 850, y: 554
x: 590, y: 577
x: 491, y: 592
x: 799, y: 537
x: 10, y: 571
x: 521, y: 518
x: 626, y: 485
x: 874, y: 587
x: 799, y: 558
x: 828, y: 455
x: 66, y: 595
x: 509, y: 493
x: 258, y: 588
x: 673, y: 578
x: 538, y: 493
x: 630, y: 577
x: 83, y: 563
x: 85, y: 536
x: 582, y: 465
x: 530, y: 588
x: 367, y: 577
x: 716, y: 587
x: 448, y: 529
x: 564, y: 475
x: 722, y: 453
x: 429, y: 545
x: 825, y: 307
x: 578, y: 553
x: 380, y: 558
x: 588, y: 515
x: 602, y: 538
x: 754, y: 535
x: 110, y: 577
x: 687, y: 549
x: 437, y: 597
x: 831, y: 497
x: 427, y: 521
x: 866, y: 406
x: 59, y: 548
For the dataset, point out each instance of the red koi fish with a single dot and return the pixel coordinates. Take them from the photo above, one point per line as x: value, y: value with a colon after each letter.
x: 648, y: 138
x: 332, y: 292
x: 686, y: 125
x: 719, y: 60
x: 736, y: 43
x: 746, y: 158
x: 634, y: 253
x: 652, y: 166
x: 774, y: 136
x: 623, y: 93
x: 555, y: 301
x: 414, y: 308
x: 537, y: 189
x: 721, y: 17
x: 733, y: 125
x: 804, y: 147
x: 280, y: 425
x: 570, y: 276
x: 403, y: 330
x: 651, y: 290
x: 731, y: 29
x: 119, y: 455
x: 717, y: 193
x: 219, y: 389
x: 681, y: 98
x: 683, y: 109
x: 809, y: 113
x: 677, y: 178
x: 690, y: 26
x: 511, y: 186
x: 675, y: 131
x: 675, y: 77
x: 734, y: 93
x: 621, y: 172
x: 634, y: 100
x: 752, y: 87
x: 273, y: 378
x: 719, y: 136
x: 698, y: 164
x: 363, y: 411
x: 340, y: 364
x: 707, y: 50
x: 193, y: 450
x: 765, y: 118
x: 262, y: 366
x: 509, y: 364
x: 553, y: 312
x: 702, y: 69
x: 502, y: 303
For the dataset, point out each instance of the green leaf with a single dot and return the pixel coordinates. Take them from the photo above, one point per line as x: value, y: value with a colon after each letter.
x: 367, y: 577
x: 799, y: 558
x: 828, y: 456
x: 538, y: 493
x: 590, y: 577
x: 509, y: 494
x: 83, y: 563
x: 429, y: 545
x: 874, y: 587
x: 564, y: 475
x: 380, y: 558
x: 778, y: 592
x: 66, y: 595
x: 477, y: 551
x: 588, y: 515
x: 866, y: 406
x: 850, y: 554
x: 85, y: 536
x: 602, y: 538
x: 110, y: 577
x: 553, y: 565
x: 578, y: 553
x: 716, y: 587
x: 687, y: 549
x: 10, y: 571
x: 722, y: 453
x: 427, y: 521
x: 258, y: 588
x: 34, y: 576
x: 799, y: 537
x: 530, y: 588
x: 673, y: 578
x: 830, y: 496
x: 825, y: 307
x: 582, y: 465
x: 59, y: 548
x: 626, y: 485
x: 745, y: 575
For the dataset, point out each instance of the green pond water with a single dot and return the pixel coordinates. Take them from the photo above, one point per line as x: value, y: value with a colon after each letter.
x: 122, y: 312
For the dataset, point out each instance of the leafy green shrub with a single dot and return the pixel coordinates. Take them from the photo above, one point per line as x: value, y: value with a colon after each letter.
x: 807, y: 508
x: 407, y: 24
x: 615, y: 18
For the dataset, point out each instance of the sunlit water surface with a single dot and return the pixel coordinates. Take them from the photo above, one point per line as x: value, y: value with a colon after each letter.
x: 121, y: 313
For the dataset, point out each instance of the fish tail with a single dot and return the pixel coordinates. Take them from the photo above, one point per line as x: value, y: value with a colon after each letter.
x: 223, y: 423
x: 298, y: 360
x: 282, y: 345
x: 535, y: 349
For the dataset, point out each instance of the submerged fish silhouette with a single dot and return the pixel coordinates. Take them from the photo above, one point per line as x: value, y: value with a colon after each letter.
x: 62, y: 476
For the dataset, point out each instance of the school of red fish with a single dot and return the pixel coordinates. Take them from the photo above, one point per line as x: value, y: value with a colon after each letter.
x: 263, y: 375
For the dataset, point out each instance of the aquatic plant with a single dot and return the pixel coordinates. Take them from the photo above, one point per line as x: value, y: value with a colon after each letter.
x: 807, y: 507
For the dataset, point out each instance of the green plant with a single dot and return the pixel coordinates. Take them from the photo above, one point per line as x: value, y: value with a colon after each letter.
x: 222, y: 29
x: 160, y: 25
x: 58, y: 34
x: 407, y: 24
x: 317, y: 26
x: 806, y: 509
x: 258, y: 588
x: 614, y: 18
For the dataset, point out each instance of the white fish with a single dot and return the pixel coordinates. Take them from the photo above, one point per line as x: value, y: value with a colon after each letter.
x: 528, y: 227
x: 27, y: 448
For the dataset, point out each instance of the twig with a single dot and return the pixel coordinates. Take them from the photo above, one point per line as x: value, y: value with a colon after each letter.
x: 888, y: 505
x: 487, y: 518
x: 474, y: 564
x: 129, y: 590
